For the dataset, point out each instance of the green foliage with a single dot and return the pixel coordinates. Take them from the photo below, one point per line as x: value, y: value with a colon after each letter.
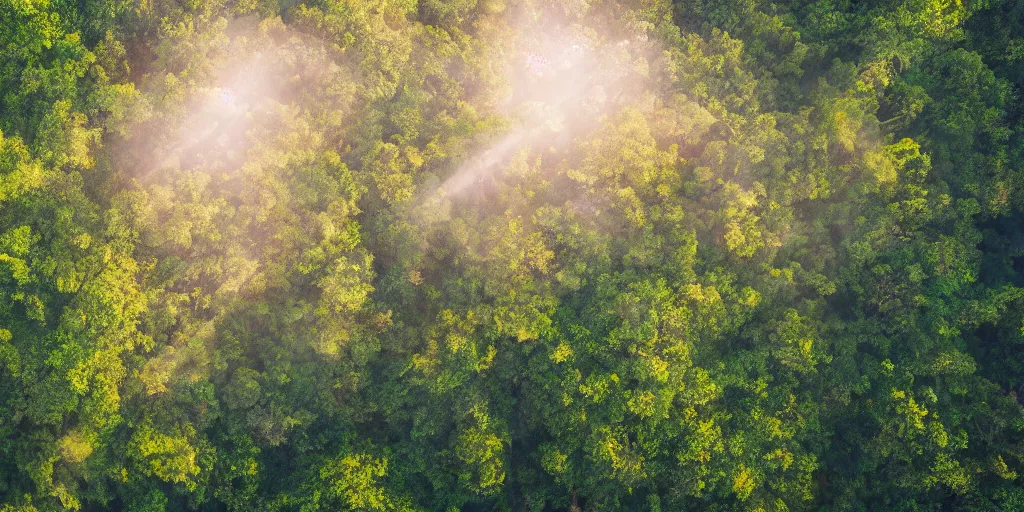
x: 343, y: 255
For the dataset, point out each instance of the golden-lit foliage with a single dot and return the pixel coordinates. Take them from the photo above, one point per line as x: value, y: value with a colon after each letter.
x: 511, y: 255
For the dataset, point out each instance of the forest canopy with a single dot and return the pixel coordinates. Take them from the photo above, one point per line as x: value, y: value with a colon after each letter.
x: 511, y: 255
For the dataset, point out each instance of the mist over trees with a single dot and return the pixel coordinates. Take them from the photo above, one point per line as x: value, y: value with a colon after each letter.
x: 511, y: 255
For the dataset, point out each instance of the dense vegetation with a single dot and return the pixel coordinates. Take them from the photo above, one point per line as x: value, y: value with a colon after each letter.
x: 270, y: 255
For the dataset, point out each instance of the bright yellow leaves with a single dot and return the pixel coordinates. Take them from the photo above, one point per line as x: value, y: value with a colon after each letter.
x: 481, y: 449
x: 795, y: 341
x: 346, y: 286
x: 999, y: 467
x: 598, y: 387
x: 517, y: 261
x: 913, y: 413
x: 553, y: 460
x: 631, y: 206
x: 344, y: 290
x: 19, y: 173
x: 561, y: 353
x: 626, y: 169
x: 882, y: 167
x: 845, y: 129
x: 743, y: 482
x: 393, y: 169
x: 74, y: 447
x: 453, y: 352
x: 901, y: 162
x: 743, y: 232
x: 17, y: 268
x: 169, y: 457
x: 355, y: 480
x: 65, y: 138
x: 611, y: 448
x: 641, y: 403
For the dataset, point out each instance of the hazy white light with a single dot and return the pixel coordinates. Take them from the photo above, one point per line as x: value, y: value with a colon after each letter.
x: 560, y: 84
x: 227, y: 98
